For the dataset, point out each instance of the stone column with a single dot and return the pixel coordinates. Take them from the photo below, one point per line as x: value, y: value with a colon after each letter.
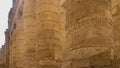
x: 89, y: 33
x: 116, y: 20
x: 30, y: 32
x: 19, y: 43
x: 16, y: 37
x: 63, y: 30
x: 48, y: 49
x: 7, y: 48
x: 12, y: 49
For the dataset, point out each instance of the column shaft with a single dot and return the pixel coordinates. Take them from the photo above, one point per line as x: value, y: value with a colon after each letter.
x: 49, y: 35
x: 89, y: 33
x: 30, y: 32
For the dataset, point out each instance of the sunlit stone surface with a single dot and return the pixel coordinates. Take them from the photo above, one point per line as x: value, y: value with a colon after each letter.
x: 62, y: 34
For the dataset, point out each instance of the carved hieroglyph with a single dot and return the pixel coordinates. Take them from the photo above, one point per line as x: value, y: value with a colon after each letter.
x: 89, y: 31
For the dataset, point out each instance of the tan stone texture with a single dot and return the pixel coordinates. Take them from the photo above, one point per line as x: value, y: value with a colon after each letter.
x: 89, y: 31
x: 62, y: 34
x: 49, y: 43
x: 30, y: 33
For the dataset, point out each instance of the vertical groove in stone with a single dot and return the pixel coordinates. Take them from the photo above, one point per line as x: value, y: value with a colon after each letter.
x: 49, y: 35
x: 89, y: 32
x: 30, y: 32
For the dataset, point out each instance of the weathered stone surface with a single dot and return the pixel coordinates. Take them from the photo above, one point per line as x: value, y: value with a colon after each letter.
x: 15, y: 36
x: 89, y: 29
x: 116, y: 20
x: 49, y: 43
x: 62, y: 34
x: 30, y: 33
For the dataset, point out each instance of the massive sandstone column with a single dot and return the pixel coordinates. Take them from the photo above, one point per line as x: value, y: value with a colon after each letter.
x: 19, y: 45
x: 116, y: 20
x: 63, y: 30
x: 89, y: 33
x: 19, y: 41
x: 16, y: 35
x: 48, y: 48
x: 7, y: 48
x: 12, y: 50
x: 30, y: 32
